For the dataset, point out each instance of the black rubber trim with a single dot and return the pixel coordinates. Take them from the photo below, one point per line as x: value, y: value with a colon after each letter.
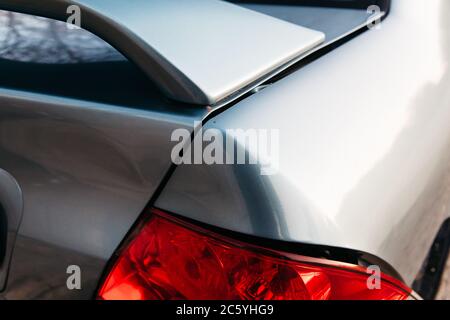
x: 429, y: 279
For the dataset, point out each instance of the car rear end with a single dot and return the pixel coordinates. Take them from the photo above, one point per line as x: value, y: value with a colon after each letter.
x: 289, y: 151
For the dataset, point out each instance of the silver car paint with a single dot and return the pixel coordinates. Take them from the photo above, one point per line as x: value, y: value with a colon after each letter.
x: 86, y: 171
x: 164, y: 36
x: 11, y: 209
x: 93, y: 167
x: 364, y: 147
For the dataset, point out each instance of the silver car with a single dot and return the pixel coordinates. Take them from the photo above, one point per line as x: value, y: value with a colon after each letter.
x: 224, y: 150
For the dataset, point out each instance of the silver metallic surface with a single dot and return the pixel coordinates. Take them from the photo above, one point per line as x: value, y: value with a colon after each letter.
x: 183, y: 41
x: 364, y: 158
x: 86, y: 171
x: 324, y: 21
x: 11, y: 206
x: 364, y: 147
x: 333, y: 22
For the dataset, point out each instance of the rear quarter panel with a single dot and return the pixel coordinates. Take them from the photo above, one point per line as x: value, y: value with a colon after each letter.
x: 364, y: 160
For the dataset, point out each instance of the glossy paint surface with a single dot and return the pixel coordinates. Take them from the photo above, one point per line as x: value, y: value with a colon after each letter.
x: 179, y: 44
x: 11, y: 207
x: 190, y: 35
x: 364, y: 159
x: 86, y: 171
x: 86, y: 165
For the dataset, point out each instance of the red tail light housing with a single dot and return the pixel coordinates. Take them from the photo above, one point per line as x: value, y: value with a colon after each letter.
x: 170, y: 259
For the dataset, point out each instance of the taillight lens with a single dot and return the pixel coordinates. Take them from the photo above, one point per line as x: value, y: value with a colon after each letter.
x: 170, y: 259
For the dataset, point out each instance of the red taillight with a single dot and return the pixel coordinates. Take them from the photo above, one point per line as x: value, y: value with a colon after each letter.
x: 170, y: 259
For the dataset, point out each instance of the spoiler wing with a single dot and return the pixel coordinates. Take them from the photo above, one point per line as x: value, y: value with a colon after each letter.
x: 196, y: 51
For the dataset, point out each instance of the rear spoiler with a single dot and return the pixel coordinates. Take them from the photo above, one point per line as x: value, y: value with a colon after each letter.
x: 196, y: 51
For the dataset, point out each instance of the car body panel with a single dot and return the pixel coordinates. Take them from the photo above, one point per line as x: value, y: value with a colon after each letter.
x: 364, y: 160
x: 11, y: 208
x: 86, y: 171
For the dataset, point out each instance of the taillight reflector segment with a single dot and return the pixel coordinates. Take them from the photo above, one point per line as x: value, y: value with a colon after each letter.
x: 171, y: 259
